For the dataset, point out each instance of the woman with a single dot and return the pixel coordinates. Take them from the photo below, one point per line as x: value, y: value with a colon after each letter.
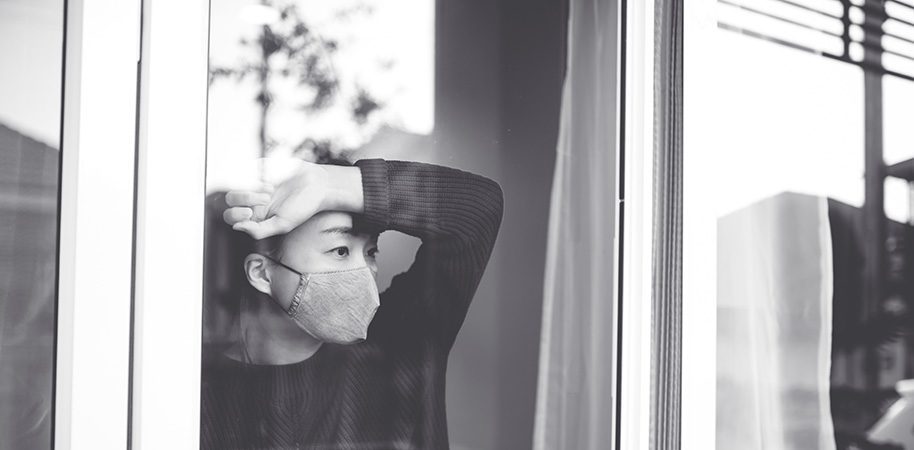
x: 323, y: 360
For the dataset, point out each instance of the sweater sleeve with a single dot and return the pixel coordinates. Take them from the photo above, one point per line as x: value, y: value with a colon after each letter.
x: 457, y: 216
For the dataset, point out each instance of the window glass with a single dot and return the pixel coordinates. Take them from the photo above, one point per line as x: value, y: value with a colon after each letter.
x: 803, y: 243
x: 31, y: 47
x: 418, y: 105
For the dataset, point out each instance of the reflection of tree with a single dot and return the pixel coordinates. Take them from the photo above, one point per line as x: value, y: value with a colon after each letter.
x: 290, y: 48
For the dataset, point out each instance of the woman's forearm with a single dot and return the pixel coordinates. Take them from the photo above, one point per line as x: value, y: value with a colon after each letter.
x: 344, y: 189
x: 457, y: 215
x: 432, y: 202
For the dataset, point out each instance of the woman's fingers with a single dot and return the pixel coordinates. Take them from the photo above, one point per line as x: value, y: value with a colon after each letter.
x: 237, y: 214
x: 247, y: 198
x: 246, y: 206
x: 260, y: 230
x: 260, y: 213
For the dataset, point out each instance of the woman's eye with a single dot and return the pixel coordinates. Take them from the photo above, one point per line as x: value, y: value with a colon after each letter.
x: 373, y: 252
x: 341, y: 251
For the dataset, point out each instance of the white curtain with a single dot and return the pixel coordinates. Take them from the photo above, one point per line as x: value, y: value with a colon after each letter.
x: 575, y: 389
x: 774, y: 325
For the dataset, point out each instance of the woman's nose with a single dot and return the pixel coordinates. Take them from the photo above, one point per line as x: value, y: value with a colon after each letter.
x: 361, y: 260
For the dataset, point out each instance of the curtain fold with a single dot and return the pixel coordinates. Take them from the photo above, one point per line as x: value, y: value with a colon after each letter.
x: 774, y: 325
x: 575, y: 386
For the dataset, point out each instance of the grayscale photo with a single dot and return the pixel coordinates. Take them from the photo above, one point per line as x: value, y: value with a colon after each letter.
x: 466, y: 225
x: 809, y: 132
x: 361, y: 209
x: 31, y: 35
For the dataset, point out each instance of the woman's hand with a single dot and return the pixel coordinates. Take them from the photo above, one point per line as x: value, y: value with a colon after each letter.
x: 278, y: 209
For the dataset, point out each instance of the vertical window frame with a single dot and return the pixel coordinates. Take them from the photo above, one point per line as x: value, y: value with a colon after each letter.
x: 101, y: 42
x: 637, y: 144
x: 171, y: 175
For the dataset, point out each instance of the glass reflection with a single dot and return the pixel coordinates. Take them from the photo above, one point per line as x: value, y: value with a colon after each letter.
x: 455, y: 84
x: 813, y: 228
x: 31, y: 37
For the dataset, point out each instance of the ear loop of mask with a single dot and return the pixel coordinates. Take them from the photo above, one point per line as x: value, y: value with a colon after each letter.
x: 283, y: 265
x: 296, y: 300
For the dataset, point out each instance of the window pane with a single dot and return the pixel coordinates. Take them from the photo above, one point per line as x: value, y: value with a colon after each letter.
x: 803, y: 243
x: 31, y: 37
x: 414, y: 91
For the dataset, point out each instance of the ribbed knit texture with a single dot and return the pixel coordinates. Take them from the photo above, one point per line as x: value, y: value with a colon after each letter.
x: 388, y: 391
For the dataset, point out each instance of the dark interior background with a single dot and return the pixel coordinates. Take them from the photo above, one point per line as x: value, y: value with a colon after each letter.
x: 498, y: 77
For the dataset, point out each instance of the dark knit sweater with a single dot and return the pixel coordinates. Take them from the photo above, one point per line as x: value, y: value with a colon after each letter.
x: 388, y: 391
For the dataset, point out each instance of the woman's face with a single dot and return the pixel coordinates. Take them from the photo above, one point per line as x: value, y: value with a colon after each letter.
x: 324, y: 243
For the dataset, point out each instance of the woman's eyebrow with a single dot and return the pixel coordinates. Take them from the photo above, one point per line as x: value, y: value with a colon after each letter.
x: 338, y: 230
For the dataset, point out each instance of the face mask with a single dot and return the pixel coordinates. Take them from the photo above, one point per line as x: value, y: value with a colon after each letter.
x: 336, y: 306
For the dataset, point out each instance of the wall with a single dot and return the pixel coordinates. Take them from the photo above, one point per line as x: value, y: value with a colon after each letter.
x: 498, y: 86
x: 467, y: 131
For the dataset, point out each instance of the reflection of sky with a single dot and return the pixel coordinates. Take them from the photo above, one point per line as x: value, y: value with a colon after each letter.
x: 31, y: 45
x: 389, y: 51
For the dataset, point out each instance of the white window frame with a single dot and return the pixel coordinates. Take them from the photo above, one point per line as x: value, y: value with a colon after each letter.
x: 169, y: 225
x: 637, y: 240
x: 699, y: 300
x: 96, y: 224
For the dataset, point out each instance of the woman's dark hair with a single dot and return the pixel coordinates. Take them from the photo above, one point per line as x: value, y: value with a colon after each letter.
x: 224, y: 280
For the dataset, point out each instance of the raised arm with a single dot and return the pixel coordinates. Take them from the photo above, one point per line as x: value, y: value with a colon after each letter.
x: 455, y: 213
x: 457, y: 216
